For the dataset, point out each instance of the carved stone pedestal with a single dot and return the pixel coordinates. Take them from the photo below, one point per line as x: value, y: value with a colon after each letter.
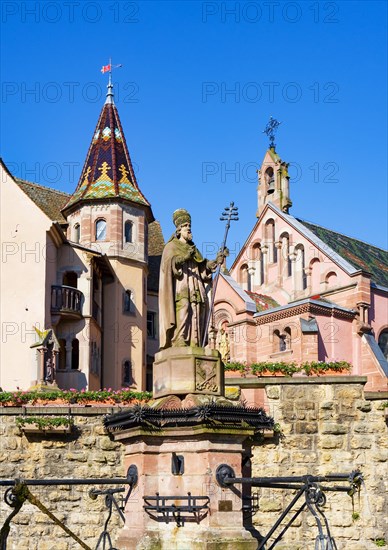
x: 171, y: 464
x: 180, y: 371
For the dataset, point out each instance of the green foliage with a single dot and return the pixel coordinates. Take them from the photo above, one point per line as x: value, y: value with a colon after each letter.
x: 72, y: 396
x: 289, y: 368
x: 319, y: 367
x: 45, y: 422
x: 355, y: 516
x: 236, y: 366
x: 277, y: 428
x: 385, y: 405
x: 380, y: 542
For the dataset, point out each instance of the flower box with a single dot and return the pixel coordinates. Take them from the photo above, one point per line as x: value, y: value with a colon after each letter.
x: 34, y: 428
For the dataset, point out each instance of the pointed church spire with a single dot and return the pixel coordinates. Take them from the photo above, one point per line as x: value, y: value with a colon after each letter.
x: 108, y: 171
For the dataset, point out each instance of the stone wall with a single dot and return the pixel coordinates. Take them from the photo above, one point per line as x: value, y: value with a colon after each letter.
x: 328, y: 427
x: 328, y: 424
x: 88, y: 452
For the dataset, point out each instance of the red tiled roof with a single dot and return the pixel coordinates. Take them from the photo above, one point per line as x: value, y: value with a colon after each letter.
x: 262, y: 301
x: 50, y: 201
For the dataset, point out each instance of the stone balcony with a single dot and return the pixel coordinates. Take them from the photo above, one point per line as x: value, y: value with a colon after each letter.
x: 66, y: 301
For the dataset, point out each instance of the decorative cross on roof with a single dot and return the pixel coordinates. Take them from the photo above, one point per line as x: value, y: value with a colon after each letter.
x: 270, y: 130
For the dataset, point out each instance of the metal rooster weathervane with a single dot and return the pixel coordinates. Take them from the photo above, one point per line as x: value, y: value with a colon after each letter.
x: 270, y: 130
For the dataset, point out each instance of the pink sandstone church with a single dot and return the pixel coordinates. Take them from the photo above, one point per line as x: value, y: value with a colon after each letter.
x: 299, y: 292
x: 79, y: 280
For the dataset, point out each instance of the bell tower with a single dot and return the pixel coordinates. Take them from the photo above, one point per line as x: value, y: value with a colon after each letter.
x: 273, y: 177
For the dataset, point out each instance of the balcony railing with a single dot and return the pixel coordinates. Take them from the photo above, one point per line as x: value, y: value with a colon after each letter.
x: 66, y: 300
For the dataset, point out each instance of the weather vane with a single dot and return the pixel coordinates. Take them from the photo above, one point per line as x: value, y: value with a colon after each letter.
x: 270, y: 130
x: 108, y: 69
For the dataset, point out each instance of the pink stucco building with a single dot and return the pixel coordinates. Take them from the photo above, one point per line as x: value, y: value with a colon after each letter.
x: 300, y: 292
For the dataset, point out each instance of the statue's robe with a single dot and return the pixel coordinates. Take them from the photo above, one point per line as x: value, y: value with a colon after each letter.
x: 183, y: 302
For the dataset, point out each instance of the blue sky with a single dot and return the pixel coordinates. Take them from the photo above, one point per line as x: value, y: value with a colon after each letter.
x: 198, y: 84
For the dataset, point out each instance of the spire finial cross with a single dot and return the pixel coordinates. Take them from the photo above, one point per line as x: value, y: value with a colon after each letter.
x: 270, y: 130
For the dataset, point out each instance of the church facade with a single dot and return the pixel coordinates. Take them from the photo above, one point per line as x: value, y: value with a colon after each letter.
x: 298, y: 292
x: 79, y: 274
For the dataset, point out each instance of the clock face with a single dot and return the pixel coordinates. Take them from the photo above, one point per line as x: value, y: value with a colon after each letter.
x: 101, y: 230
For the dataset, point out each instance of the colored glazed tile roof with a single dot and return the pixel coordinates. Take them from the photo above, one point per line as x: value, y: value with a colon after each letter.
x: 359, y: 254
x: 50, y: 201
x: 155, y: 249
x: 155, y: 239
x: 262, y: 301
x: 108, y: 170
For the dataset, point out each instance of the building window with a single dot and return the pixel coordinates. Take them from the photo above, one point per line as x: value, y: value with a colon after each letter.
x: 128, y: 302
x: 383, y: 343
x: 70, y: 278
x: 282, y: 341
x: 77, y: 233
x: 301, y: 277
x: 285, y: 260
x: 100, y: 230
x: 149, y: 374
x: 151, y: 324
x: 244, y: 277
x: 269, y: 180
x: 270, y: 241
x: 287, y: 337
x: 127, y: 373
x: 128, y: 232
x: 75, y: 354
x: 62, y: 354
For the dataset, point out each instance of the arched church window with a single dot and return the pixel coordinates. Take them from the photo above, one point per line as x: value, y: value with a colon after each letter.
x: 282, y: 340
x: 300, y: 264
x: 244, y: 276
x: 285, y: 255
x: 287, y: 337
x: 77, y: 233
x: 383, y: 342
x: 100, y: 230
x: 128, y: 231
x: 276, y: 341
x: 270, y: 240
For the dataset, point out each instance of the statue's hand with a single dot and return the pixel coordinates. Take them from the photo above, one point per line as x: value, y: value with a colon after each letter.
x: 221, y: 255
x: 179, y: 261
